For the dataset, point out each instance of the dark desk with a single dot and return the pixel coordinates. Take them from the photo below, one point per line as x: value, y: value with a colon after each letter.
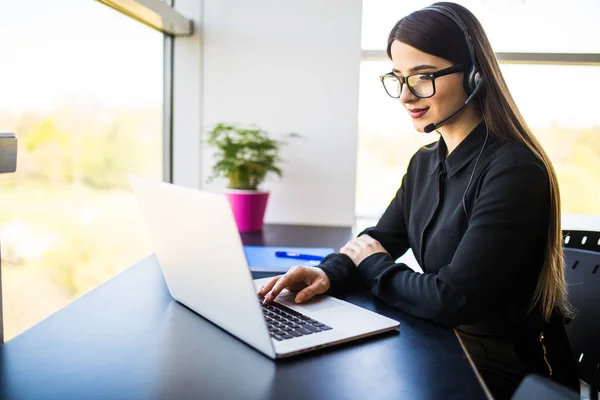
x: 128, y: 339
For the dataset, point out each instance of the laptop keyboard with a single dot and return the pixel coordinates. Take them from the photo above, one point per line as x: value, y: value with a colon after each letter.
x: 285, y: 323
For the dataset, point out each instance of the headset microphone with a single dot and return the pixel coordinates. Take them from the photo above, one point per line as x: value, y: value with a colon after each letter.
x: 432, y: 127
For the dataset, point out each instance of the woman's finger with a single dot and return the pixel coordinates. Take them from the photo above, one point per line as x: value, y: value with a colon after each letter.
x: 318, y: 286
x: 292, y: 276
x: 268, y: 286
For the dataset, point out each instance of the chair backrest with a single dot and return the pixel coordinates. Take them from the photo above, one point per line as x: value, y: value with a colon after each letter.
x: 537, y: 387
x: 582, y: 273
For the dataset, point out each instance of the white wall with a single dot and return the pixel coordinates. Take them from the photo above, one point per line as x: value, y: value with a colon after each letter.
x: 289, y: 66
x: 187, y: 100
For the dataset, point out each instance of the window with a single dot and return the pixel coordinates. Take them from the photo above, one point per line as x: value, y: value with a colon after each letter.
x: 566, y: 124
x: 82, y: 89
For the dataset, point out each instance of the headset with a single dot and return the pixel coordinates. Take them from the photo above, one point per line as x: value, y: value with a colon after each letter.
x: 473, y: 81
x: 473, y: 84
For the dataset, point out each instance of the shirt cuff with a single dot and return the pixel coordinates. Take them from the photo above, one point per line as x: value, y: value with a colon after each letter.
x: 340, y: 270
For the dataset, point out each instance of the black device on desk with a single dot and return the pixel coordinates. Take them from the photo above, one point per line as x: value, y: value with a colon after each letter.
x: 8, y: 153
x: 8, y: 164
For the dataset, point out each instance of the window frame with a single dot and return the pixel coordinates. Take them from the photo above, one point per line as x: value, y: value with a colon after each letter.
x: 515, y: 58
x: 162, y: 16
x: 157, y: 14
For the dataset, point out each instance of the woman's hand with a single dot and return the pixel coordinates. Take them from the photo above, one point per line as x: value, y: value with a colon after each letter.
x: 309, y: 280
x: 361, y: 247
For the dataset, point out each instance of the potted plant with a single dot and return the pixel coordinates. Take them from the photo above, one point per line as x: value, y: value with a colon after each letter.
x: 245, y: 157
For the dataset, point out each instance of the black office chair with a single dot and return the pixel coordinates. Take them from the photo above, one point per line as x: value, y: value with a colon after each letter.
x: 582, y: 273
x: 537, y: 387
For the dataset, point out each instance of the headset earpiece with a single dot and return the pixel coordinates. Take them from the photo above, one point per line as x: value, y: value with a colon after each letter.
x: 472, y: 80
x: 472, y: 77
x: 477, y: 79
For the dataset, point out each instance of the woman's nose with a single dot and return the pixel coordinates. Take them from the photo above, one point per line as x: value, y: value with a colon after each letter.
x: 406, y: 96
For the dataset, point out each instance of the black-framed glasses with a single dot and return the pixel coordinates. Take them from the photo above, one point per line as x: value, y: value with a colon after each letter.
x: 421, y: 84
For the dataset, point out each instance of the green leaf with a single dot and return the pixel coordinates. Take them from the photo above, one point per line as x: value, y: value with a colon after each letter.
x: 244, y: 156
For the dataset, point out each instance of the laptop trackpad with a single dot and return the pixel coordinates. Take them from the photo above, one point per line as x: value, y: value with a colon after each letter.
x: 317, y: 303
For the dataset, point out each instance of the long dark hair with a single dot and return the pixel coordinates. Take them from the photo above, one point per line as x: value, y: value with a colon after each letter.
x: 434, y: 33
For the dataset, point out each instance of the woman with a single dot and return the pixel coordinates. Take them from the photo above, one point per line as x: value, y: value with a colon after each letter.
x: 480, y: 209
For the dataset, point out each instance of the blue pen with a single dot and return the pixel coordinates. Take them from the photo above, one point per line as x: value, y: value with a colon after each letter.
x: 298, y: 256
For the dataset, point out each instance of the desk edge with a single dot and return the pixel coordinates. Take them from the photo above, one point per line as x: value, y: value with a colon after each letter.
x: 474, y: 368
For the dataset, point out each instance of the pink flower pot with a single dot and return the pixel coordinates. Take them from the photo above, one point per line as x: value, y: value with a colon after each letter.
x: 248, y: 208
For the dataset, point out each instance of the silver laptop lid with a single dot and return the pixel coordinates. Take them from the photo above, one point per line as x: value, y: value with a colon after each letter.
x: 202, y: 258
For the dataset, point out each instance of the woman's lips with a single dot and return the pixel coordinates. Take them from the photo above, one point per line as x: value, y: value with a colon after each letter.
x: 417, y: 112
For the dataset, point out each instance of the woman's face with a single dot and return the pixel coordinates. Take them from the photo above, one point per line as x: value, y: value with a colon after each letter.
x: 449, y: 92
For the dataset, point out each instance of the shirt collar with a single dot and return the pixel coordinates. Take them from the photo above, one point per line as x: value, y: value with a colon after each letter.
x: 462, y: 154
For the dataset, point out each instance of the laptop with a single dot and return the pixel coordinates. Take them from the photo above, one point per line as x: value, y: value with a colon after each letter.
x: 201, y: 255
